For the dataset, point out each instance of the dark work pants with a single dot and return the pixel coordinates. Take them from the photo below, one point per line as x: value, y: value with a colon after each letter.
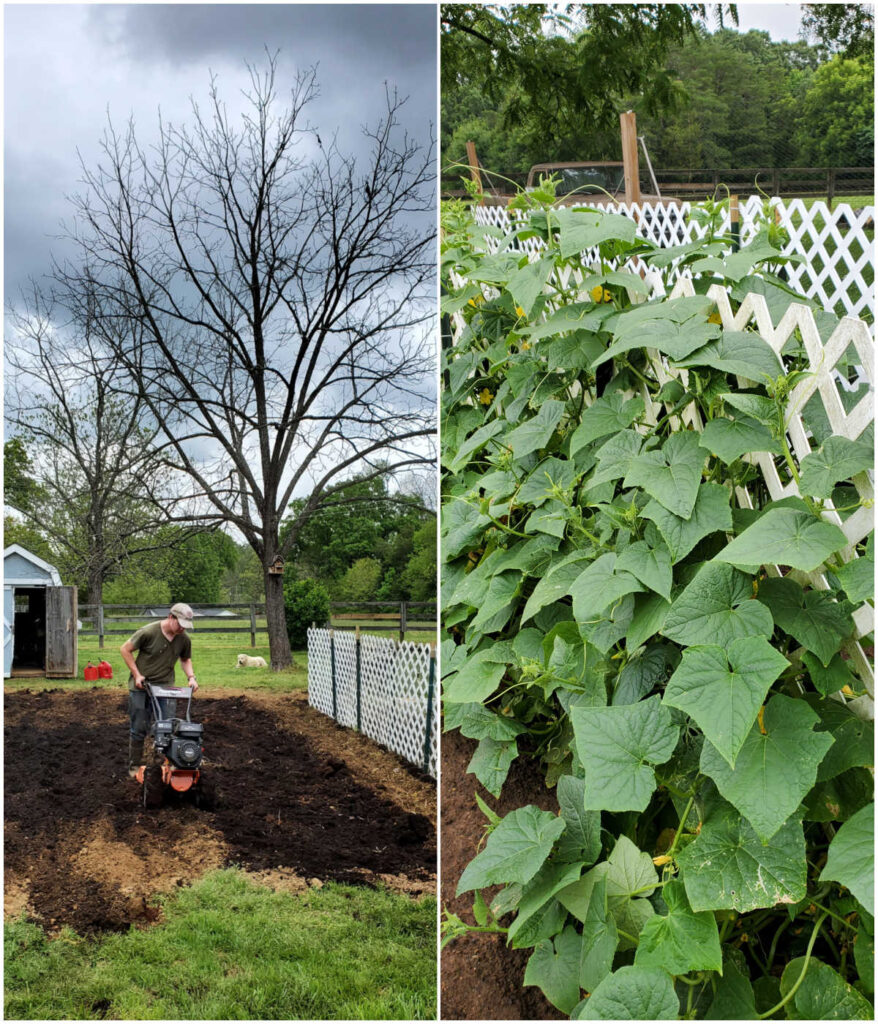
x: 140, y: 712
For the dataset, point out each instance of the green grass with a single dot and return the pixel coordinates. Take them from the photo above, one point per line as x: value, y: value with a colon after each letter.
x: 228, y: 949
x: 214, y: 656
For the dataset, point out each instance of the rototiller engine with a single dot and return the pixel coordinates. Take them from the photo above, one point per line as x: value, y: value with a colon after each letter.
x: 178, y: 749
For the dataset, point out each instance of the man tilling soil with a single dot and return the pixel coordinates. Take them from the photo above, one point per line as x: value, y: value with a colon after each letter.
x: 159, y: 646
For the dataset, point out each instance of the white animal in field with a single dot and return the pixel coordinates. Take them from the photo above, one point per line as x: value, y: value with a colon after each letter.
x: 246, y: 661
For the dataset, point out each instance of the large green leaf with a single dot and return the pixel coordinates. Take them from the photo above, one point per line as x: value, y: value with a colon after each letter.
x: 712, y: 512
x: 556, y: 583
x: 734, y: 999
x: 858, y: 579
x: 632, y: 993
x: 491, y: 761
x: 583, y: 229
x: 776, y: 766
x: 542, y: 888
x: 618, y: 747
x: 823, y: 995
x: 615, y: 456
x: 829, y: 678
x: 534, y: 433
x: 671, y: 476
x: 462, y: 525
x: 723, y: 690
x: 474, y: 442
x: 838, y: 458
x: 581, y: 839
x: 599, y: 938
x: 554, y: 967
x: 643, y: 672
x: 676, y: 340
x: 651, y: 565
x: 576, y: 316
x: 605, y: 416
x: 854, y: 745
x: 680, y: 941
x: 851, y: 857
x: 599, y: 586
x: 813, y: 617
x: 478, y: 722
x: 528, y: 281
x: 631, y: 879
x: 730, y: 439
x: 785, y: 536
x: 740, y: 352
x: 479, y: 675
x: 716, y: 608
x: 728, y: 867
x: 515, y: 850
x: 501, y: 594
x: 650, y: 611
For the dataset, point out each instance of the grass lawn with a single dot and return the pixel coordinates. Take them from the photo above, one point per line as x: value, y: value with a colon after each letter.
x: 214, y: 657
x: 228, y: 949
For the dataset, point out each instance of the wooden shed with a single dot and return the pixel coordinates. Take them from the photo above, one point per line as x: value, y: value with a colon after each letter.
x: 39, y: 618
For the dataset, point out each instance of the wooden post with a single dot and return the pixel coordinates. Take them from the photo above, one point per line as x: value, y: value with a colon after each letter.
x: 100, y: 625
x: 473, y: 161
x: 252, y: 625
x: 775, y: 182
x: 735, y: 218
x: 628, y: 124
x: 428, y: 718
x: 403, y: 620
x: 332, y: 670
x: 830, y: 187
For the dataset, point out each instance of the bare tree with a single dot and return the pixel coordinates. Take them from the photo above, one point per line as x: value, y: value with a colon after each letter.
x: 283, y: 297
x: 99, y: 490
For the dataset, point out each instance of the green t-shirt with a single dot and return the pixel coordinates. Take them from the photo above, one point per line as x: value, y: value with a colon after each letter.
x: 156, y: 655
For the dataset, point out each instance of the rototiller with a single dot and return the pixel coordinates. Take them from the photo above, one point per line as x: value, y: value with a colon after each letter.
x: 178, y: 749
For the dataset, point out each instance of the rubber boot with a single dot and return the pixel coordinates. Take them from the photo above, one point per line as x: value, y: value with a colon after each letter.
x: 135, y: 756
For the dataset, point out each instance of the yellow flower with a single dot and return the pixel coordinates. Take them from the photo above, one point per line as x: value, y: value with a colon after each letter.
x: 661, y: 861
x: 715, y: 318
x: 477, y: 301
x: 486, y: 397
x: 597, y: 293
x: 525, y: 345
x: 519, y: 312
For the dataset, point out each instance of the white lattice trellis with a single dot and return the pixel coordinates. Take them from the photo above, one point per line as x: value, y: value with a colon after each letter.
x: 839, y: 256
x: 397, y: 680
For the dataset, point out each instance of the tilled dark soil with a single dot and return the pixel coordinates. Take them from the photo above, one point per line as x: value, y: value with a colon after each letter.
x: 302, y: 801
x: 482, y: 979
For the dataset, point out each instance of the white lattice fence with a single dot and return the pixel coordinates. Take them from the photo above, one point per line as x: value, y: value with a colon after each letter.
x: 839, y: 255
x: 392, y: 684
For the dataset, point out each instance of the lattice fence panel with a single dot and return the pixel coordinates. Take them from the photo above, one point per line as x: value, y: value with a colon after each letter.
x: 838, y: 255
x: 395, y: 684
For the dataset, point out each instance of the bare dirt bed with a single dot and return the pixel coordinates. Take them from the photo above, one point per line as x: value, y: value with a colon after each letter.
x: 302, y: 801
x: 481, y: 978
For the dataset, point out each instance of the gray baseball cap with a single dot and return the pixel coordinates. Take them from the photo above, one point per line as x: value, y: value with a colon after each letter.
x: 183, y: 614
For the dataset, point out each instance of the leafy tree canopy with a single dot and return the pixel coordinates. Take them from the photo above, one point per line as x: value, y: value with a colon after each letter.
x: 845, y: 28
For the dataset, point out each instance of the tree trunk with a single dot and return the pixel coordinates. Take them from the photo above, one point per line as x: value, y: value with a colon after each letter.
x: 278, y: 640
x: 95, y: 586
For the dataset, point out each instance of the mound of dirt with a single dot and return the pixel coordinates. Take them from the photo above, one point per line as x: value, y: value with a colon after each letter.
x: 302, y: 801
x: 482, y: 979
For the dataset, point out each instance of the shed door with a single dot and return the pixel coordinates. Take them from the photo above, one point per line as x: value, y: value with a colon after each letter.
x: 8, y: 622
x: 61, y: 634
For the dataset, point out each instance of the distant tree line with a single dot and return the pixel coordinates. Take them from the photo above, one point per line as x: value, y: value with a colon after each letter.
x: 726, y: 98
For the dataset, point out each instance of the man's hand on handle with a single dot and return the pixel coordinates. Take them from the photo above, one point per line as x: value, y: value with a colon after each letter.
x: 139, y: 680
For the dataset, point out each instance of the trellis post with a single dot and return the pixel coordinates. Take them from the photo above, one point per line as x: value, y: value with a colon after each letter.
x: 252, y: 625
x: 428, y: 717
x: 332, y: 670
x: 403, y: 620
x: 735, y: 218
x: 100, y: 625
x: 359, y: 683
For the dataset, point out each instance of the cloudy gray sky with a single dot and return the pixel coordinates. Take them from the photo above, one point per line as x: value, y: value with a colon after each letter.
x: 68, y: 66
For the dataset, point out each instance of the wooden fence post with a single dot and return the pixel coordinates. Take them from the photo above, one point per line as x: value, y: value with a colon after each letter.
x: 473, y: 162
x: 252, y: 625
x: 830, y: 187
x: 100, y: 625
x: 403, y: 620
x: 628, y: 124
x: 428, y: 719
